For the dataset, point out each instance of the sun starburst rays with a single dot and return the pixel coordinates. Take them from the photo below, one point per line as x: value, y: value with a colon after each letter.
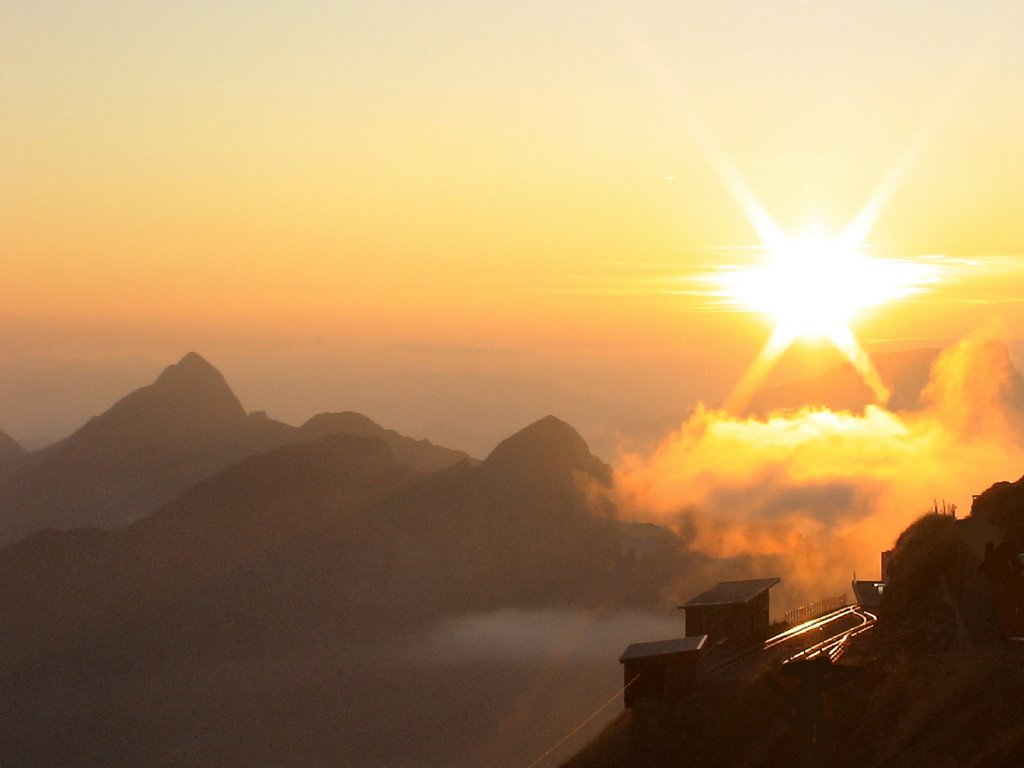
x: 814, y: 286
x: 811, y: 287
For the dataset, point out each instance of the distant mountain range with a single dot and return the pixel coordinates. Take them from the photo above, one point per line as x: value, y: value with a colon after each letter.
x: 469, y: 399
x: 175, y: 638
x: 155, y: 443
x: 187, y: 425
x: 377, y: 537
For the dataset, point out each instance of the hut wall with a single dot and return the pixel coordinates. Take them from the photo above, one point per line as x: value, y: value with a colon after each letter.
x: 740, y: 622
x: 663, y: 680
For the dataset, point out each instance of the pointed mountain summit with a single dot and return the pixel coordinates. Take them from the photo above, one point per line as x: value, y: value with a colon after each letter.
x: 194, y: 376
x: 189, y: 394
x: 546, y: 445
x: 142, y: 452
x: 160, y: 440
x: 190, y: 401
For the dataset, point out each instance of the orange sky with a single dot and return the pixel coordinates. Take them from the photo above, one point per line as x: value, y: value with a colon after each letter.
x: 515, y: 174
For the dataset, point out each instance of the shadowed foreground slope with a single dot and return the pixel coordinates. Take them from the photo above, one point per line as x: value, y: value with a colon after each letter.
x: 946, y: 709
x: 934, y: 684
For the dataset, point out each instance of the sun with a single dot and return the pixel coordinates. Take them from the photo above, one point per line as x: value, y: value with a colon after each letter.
x: 814, y: 286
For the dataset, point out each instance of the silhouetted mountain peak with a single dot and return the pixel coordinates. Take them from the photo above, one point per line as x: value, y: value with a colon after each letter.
x: 192, y: 381
x: 192, y: 369
x: 547, y: 443
x: 549, y: 435
x: 188, y: 400
x: 194, y: 358
x: 140, y: 453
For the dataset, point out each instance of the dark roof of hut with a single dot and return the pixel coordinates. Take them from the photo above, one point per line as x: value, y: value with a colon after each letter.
x: 731, y: 592
x: 663, y: 648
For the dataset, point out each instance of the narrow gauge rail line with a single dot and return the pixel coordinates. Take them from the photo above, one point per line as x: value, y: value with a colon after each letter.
x: 834, y: 645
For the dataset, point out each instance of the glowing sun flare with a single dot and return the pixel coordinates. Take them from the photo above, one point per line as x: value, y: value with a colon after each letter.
x: 814, y: 287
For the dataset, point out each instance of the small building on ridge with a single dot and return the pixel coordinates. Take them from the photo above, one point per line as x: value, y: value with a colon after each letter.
x: 731, y: 612
x: 662, y: 672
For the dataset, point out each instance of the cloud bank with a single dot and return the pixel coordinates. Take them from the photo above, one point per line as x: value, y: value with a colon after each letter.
x: 813, y: 495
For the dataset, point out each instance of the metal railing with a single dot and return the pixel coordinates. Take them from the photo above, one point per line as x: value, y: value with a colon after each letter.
x: 814, y: 610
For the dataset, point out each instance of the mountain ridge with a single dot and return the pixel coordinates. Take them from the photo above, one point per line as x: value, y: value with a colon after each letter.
x: 153, y: 444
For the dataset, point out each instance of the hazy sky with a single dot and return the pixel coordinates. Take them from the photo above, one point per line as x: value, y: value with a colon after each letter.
x: 530, y: 174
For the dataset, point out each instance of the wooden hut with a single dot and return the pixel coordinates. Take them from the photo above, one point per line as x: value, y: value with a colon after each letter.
x: 662, y: 672
x: 731, y: 612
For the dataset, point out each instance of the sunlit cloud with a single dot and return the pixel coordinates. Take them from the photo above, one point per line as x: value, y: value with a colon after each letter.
x: 815, y: 493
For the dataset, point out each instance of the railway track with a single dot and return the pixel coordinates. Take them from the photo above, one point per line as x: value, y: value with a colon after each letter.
x: 829, y: 634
